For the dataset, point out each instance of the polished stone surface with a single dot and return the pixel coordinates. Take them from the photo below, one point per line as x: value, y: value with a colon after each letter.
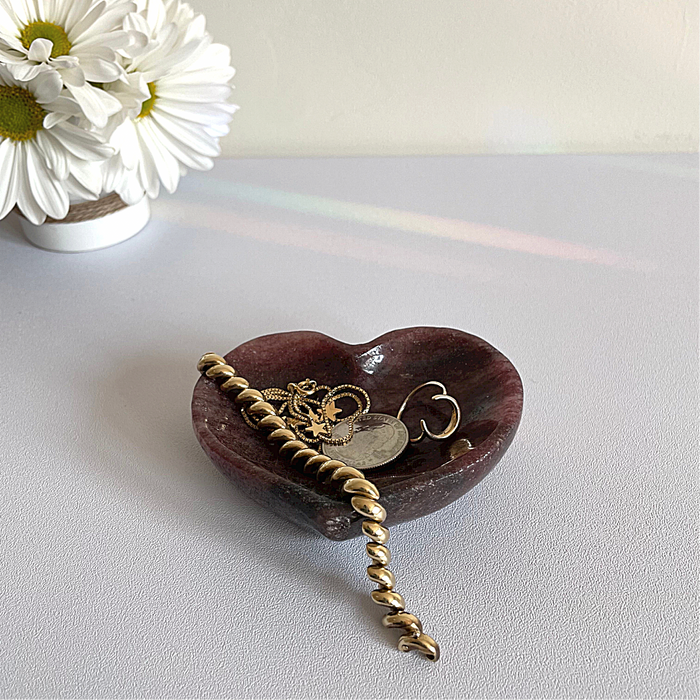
x: 425, y: 478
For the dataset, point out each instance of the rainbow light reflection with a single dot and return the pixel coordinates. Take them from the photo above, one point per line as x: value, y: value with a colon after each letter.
x: 426, y: 224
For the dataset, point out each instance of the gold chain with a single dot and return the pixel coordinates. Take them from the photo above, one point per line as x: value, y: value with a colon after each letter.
x: 363, y: 495
x: 310, y: 418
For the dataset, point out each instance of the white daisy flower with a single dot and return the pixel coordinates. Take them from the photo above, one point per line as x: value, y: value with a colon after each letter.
x: 184, y: 113
x: 78, y: 39
x: 43, y: 155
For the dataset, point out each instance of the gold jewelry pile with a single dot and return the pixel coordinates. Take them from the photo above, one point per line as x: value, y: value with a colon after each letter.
x: 312, y: 418
x: 363, y: 494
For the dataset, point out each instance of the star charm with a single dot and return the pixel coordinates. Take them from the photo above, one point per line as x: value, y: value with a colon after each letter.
x: 332, y: 411
x: 316, y: 428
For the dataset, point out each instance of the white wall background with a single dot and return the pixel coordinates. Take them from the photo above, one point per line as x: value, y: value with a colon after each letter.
x: 335, y: 77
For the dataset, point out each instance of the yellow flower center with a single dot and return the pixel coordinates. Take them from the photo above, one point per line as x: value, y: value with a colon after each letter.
x: 21, y: 116
x: 46, y: 30
x: 147, y: 106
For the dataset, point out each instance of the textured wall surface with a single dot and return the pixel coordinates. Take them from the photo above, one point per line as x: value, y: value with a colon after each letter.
x: 131, y: 568
x: 460, y: 76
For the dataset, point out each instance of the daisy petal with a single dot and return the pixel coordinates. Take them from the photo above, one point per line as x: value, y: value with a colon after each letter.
x: 209, y: 74
x: 195, y: 28
x: 137, y: 44
x: 63, y: 62
x: 189, y: 134
x: 81, y: 143
x: 203, y: 93
x: 110, y: 19
x: 216, y: 56
x: 72, y: 77
x: 112, y: 171
x: 89, y: 175
x: 126, y: 142
x: 76, y: 11
x: 74, y: 187
x: 194, y: 112
x: 85, y: 21
x: 48, y: 193
x: 165, y: 162
x: 8, y: 55
x: 112, y: 42
x: 62, y: 106
x: 23, y: 11
x: 40, y: 50
x: 130, y: 191
x: 184, y: 153
x: 164, y: 41
x: 97, y: 104
x: 155, y: 14
x: 98, y: 70
x: 9, y: 180
x: 46, y: 87
x: 136, y: 23
x: 181, y: 57
x: 147, y: 171
x: 24, y: 72
x: 25, y: 199
x: 54, y: 153
x: 10, y: 18
x: 217, y: 132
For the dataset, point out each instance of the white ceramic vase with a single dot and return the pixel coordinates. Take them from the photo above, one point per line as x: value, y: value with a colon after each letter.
x: 99, y: 231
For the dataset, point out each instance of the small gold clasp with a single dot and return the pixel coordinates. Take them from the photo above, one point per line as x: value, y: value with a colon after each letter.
x: 305, y: 388
x: 422, y: 643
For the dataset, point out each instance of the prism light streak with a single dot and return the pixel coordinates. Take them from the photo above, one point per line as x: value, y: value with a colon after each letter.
x: 316, y: 240
x: 427, y: 224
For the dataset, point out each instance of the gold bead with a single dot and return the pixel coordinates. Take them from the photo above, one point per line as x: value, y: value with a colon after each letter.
x: 303, y: 455
x: 403, y: 620
x: 314, y: 463
x: 423, y: 644
x: 375, y: 531
x: 234, y: 384
x: 209, y: 359
x: 272, y: 423
x: 221, y: 372
x: 378, y: 552
x: 361, y: 487
x: 249, y: 396
x: 343, y: 473
x: 381, y: 576
x: 261, y: 408
x: 292, y: 446
x: 281, y: 435
x: 389, y: 599
x: 369, y: 508
x: 325, y: 470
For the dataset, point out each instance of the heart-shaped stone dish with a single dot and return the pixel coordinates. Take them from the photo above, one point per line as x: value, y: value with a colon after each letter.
x: 426, y: 477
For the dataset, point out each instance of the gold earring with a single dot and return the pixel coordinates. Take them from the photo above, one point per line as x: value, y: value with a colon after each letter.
x: 444, y: 396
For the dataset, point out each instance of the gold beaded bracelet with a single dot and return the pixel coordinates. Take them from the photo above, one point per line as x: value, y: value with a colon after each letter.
x: 363, y: 494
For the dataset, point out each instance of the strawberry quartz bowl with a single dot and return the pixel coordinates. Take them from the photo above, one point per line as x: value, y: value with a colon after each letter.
x: 426, y: 477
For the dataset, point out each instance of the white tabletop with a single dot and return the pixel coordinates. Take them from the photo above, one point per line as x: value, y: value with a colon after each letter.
x: 130, y: 566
